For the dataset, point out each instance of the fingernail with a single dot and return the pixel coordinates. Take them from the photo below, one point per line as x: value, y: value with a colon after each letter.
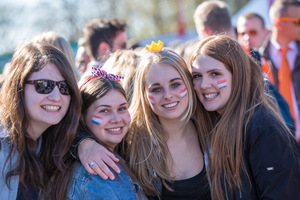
x: 112, y: 178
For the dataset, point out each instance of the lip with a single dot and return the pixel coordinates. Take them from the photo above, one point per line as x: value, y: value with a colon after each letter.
x: 173, y: 105
x: 115, y: 130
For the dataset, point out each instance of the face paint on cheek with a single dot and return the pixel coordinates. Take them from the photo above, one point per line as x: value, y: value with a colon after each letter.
x: 194, y: 86
x: 151, y: 100
x: 129, y: 118
x: 97, y: 120
x: 222, y: 84
x: 183, y: 92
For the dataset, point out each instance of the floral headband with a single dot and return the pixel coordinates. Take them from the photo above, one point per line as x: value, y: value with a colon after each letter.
x: 102, y: 73
x: 155, y: 47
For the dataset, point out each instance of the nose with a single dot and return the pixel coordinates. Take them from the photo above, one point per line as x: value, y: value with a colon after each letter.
x: 246, y: 37
x: 205, y: 83
x: 168, y: 93
x: 55, y: 95
x: 115, y: 117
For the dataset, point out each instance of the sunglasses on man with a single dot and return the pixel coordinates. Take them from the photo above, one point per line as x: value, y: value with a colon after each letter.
x: 288, y: 19
x: 44, y: 86
x: 251, y: 32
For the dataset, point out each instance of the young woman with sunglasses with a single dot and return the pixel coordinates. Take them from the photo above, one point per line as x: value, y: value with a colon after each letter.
x: 39, y: 112
x: 251, y: 153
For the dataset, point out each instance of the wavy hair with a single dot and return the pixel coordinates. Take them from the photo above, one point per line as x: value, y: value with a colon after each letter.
x: 147, y: 148
x: 226, y: 134
x: 45, y: 170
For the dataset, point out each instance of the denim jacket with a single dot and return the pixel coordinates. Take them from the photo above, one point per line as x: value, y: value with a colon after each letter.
x: 5, y: 192
x: 91, y: 187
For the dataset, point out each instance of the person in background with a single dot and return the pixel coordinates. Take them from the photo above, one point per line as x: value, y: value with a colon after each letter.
x: 61, y: 43
x: 281, y: 51
x: 39, y: 113
x: 213, y: 18
x: 251, y: 30
x: 104, y: 116
x: 250, y: 153
x: 103, y: 36
x: 81, y: 58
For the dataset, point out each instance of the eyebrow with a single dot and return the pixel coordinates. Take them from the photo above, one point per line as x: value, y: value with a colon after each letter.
x: 216, y: 69
x: 108, y: 106
x: 172, y: 80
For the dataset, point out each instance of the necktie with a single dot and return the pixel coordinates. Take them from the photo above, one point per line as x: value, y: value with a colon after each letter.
x: 285, y: 81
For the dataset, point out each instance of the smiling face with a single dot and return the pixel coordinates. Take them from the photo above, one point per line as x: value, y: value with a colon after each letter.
x: 108, y: 118
x: 212, y: 82
x: 166, y: 91
x: 45, y: 110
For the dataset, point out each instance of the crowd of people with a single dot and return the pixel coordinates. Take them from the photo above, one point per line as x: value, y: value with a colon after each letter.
x: 216, y: 118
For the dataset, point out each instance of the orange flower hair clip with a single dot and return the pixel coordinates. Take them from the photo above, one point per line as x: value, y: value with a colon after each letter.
x: 155, y: 47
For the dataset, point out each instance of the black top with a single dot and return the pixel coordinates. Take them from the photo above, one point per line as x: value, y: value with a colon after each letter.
x: 196, y: 187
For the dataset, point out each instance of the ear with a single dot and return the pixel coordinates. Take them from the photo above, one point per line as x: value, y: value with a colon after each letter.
x: 103, y: 49
x: 278, y: 24
x: 206, y: 31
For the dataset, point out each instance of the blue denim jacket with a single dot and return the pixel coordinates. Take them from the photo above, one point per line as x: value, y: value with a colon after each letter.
x: 91, y: 187
x: 5, y: 191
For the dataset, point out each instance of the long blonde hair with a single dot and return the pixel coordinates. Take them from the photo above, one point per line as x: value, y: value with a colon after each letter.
x: 226, y: 134
x: 147, y: 149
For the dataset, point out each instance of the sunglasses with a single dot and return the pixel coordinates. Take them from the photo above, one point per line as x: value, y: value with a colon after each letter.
x: 251, y: 32
x: 287, y: 19
x: 44, y: 86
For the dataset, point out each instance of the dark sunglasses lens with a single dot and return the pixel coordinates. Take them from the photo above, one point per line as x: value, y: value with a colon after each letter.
x: 64, y: 88
x: 43, y: 86
x: 47, y: 86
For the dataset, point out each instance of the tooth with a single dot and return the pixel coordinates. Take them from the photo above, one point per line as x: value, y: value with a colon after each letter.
x: 114, y: 129
x: 51, y: 108
x: 210, y: 96
x: 170, y: 105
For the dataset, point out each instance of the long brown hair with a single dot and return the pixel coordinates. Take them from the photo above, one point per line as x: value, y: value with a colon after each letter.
x: 226, y: 134
x: 92, y: 89
x: 45, y: 170
x: 147, y: 148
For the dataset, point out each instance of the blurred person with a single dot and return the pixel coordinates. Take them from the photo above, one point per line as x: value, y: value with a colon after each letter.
x: 103, y: 36
x: 105, y: 116
x: 251, y: 30
x: 213, y: 17
x: 39, y: 113
x: 281, y: 52
x: 249, y: 151
x: 251, y: 35
x: 81, y: 59
x: 62, y: 44
x: 123, y: 63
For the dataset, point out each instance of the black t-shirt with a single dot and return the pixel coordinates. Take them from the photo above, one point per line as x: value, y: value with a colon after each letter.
x: 193, y: 188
